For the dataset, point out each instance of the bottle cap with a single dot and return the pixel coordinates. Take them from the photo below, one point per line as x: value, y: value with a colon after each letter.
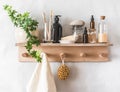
x: 102, y: 17
x: 92, y: 18
x: 57, y: 18
x: 85, y: 30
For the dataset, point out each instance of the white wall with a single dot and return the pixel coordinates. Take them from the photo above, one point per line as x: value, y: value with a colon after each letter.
x: 85, y: 77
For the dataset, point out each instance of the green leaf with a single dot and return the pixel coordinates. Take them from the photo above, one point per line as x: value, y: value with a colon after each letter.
x: 28, y: 24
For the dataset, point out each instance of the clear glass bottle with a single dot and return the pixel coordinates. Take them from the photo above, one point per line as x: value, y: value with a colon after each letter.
x: 45, y: 32
x: 102, y: 31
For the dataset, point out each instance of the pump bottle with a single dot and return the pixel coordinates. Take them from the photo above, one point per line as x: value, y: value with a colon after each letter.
x: 57, y: 30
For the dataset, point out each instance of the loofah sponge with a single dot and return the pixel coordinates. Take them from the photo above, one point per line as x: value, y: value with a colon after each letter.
x: 63, y: 72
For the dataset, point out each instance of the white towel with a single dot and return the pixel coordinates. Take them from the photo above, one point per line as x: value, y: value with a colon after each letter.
x: 42, y: 79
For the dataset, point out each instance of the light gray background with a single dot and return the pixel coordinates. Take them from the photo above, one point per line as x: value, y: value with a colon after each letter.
x: 85, y: 77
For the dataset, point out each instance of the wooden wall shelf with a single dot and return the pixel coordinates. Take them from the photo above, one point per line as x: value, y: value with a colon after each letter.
x: 73, y: 52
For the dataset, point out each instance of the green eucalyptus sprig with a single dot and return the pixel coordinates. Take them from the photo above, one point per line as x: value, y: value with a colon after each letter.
x: 28, y: 24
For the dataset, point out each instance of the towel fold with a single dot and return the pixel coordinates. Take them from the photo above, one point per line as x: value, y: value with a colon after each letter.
x: 42, y: 79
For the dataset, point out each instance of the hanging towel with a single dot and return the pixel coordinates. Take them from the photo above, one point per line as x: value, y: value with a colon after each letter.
x: 42, y: 79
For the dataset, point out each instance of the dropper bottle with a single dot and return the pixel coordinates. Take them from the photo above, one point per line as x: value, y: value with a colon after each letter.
x: 92, y: 31
x: 92, y: 23
x: 85, y: 36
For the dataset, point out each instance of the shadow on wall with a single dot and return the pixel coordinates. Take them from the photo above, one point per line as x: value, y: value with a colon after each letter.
x: 67, y: 29
x: 41, y: 34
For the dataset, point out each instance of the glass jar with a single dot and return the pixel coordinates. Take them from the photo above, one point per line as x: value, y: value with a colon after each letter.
x: 92, y: 38
x: 102, y: 31
x: 78, y: 32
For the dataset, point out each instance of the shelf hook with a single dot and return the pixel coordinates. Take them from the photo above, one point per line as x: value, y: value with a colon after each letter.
x: 102, y: 55
x: 25, y: 54
x: 83, y: 54
x: 62, y: 56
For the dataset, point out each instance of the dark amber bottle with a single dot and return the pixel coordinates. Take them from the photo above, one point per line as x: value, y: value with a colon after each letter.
x: 92, y: 23
x: 85, y: 36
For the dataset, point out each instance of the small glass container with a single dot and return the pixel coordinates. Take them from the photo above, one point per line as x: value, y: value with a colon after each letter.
x: 45, y: 32
x: 92, y: 37
x: 78, y: 32
x: 47, y: 35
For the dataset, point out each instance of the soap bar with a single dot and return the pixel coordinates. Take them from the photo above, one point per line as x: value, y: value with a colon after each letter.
x: 71, y: 37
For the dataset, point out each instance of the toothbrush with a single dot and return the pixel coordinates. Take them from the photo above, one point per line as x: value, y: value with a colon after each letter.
x: 50, y: 25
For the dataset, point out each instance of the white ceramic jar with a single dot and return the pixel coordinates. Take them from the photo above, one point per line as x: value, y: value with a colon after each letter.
x: 20, y: 35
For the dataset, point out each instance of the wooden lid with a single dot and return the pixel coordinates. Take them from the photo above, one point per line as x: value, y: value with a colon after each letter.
x: 102, y: 17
